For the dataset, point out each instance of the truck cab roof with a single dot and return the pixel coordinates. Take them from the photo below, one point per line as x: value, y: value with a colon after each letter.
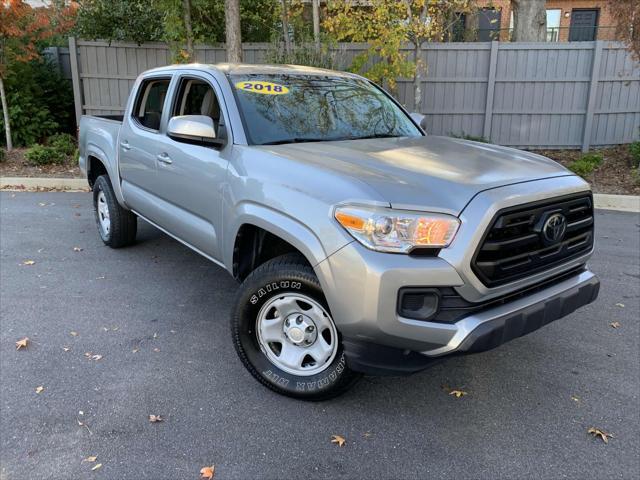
x: 255, y: 69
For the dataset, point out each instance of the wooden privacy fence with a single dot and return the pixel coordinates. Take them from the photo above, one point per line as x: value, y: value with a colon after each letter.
x: 527, y: 95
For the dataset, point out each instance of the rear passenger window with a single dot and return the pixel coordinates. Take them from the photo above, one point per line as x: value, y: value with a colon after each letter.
x: 148, y: 109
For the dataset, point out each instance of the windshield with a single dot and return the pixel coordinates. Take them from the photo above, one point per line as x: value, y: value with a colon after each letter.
x: 307, y: 108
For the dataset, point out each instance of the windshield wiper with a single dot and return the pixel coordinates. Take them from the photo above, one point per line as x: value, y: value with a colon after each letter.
x: 336, y: 139
x: 298, y: 140
x: 376, y: 135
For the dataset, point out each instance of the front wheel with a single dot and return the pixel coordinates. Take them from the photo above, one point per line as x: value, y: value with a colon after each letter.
x: 284, y: 333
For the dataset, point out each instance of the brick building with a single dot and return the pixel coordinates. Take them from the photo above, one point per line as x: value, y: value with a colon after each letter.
x: 567, y: 20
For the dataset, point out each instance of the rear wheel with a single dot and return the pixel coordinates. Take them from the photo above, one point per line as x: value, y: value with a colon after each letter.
x: 117, y: 226
x: 284, y: 333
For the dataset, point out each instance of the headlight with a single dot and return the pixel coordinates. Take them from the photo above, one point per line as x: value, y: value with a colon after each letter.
x: 388, y: 230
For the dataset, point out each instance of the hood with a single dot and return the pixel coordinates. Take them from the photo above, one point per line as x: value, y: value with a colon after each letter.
x: 438, y: 173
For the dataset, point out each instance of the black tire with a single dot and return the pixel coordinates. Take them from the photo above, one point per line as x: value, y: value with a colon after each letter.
x: 123, y: 223
x: 285, y: 274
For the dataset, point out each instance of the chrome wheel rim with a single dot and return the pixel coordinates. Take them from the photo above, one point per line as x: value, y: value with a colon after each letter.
x: 297, y: 334
x: 103, y: 214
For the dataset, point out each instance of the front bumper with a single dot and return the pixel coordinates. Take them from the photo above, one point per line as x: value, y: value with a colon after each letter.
x: 482, y: 331
x: 361, y: 287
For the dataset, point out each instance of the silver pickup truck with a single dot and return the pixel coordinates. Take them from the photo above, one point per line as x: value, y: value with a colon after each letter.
x: 362, y: 244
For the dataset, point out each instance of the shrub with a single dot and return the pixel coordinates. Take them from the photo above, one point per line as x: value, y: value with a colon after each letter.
x: 635, y: 176
x: 581, y: 167
x: 40, y: 102
x: 634, y: 150
x: 593, y: 158
x: 3, y: 155
x: 41, y: 155
x: 586, y: 164
x: 63, y: 143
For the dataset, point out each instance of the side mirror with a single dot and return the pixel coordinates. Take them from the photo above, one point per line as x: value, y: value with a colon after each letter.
x: 196, y: 129
x: 419, y: 119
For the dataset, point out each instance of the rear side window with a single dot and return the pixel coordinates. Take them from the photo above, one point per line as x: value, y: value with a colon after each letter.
x: 150, y: 101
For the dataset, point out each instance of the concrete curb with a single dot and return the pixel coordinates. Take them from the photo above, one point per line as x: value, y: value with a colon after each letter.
x: 623, y: 203
x: 19, y: 184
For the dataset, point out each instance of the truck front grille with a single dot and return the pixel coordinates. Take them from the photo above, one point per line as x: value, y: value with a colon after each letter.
x: 528, y: 239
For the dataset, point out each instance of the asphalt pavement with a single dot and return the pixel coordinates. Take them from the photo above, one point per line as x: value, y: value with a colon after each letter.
x: 156, y: 315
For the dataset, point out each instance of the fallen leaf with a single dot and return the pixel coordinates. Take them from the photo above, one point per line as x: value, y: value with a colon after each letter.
x: 155, y: 335
x: 22, y: 343
x: 615, y: 324
x: 575, y: 399
x: 80, y: 412
x: 66, y: 349
x: 156, y: 349
x: 28, y: 262
x: 135, y: 350
x: 97, y: 466
x: 458, y: 393
x: 39, y: 389
x: 77, y: 249
x: 207, y: 472
x: 96, y: 357
x: 155, y: 418
x: 90, y: 459
x: 621, y: 305
x: 596, y: 432
x: 88, y: 354
x: 73, y: 334
x: 338, y: 439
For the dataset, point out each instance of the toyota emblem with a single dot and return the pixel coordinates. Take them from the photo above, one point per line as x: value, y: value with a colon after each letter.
x: 554, y: 228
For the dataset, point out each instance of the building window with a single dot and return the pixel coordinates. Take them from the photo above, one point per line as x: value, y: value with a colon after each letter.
x: 553, y: 24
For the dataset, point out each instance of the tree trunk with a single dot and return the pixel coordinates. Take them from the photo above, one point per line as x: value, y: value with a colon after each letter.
x: 285, y: 27
x: 188, y: 28
x: 529, y: 20
x: 417, y: 79
x: 316, y: 24
x: 232, y: 27
x: 5, y: 113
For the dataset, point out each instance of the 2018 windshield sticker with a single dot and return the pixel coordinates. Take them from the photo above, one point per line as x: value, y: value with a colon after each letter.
x: 264, y: 88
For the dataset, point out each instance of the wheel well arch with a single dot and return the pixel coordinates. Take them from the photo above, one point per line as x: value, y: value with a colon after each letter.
x: 254, y: 246
x: 95, y: 168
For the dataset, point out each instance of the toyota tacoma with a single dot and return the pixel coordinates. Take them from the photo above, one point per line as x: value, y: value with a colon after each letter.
x: 362, y: 244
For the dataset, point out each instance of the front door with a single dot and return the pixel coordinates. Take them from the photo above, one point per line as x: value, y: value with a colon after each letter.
x: 190, y: 177
x: 584, y: 25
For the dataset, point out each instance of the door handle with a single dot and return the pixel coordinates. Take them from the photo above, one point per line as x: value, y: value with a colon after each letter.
x: 125, y: 145
x: 164, y: 158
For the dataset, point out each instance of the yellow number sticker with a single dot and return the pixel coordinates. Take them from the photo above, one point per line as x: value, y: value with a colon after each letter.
x: 265, y: 88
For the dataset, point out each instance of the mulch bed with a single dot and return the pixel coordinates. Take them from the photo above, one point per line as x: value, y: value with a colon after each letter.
x: 613, y: 176
x: 15, y: 165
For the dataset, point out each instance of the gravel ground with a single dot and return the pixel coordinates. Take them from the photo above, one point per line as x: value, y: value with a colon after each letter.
x: 158, y: 315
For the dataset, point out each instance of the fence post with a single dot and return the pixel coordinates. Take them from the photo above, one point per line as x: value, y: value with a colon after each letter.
x: 591, y: 99
x: 491, y: 83
x: 75, y: 78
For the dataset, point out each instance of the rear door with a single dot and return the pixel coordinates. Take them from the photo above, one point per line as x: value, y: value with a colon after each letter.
x: 138, y: 144
x: 191, y: 177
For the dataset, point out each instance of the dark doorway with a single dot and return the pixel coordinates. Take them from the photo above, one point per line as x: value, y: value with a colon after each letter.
x: 584, y: 25
x: 488, y: 25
